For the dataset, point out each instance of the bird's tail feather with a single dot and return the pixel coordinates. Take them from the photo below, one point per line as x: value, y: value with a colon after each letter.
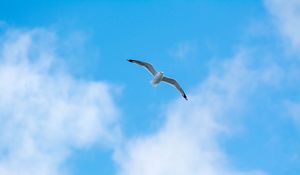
x: 152, y: 82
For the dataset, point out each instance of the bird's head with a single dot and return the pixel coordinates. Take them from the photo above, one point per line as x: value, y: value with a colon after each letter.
x: 162, y: 73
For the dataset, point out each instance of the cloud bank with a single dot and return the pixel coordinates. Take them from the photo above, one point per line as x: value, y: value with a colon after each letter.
x: 44, y: 111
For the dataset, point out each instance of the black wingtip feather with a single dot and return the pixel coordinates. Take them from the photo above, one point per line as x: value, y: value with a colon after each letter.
x: 130, y: 60
x: 184, y: 96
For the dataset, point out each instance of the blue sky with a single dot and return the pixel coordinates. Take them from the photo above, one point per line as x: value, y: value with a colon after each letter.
x: 70, y: 103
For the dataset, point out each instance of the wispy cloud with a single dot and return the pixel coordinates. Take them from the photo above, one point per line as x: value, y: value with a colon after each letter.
x: 189, y: 142
x: 287, y: 18
x: 183, y: 50
x: 286, y: 15
x: 44, y: 111
x: 293, y: 109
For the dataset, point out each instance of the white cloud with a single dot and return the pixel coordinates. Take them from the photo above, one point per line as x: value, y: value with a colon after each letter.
x: 189, y: 142
x: 287, y: 18
x: 44, y: 111
x: 286, y: 15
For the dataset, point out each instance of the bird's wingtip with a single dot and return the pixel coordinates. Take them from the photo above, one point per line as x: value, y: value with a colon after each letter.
x: 185, y: 97
x: 130, y: 60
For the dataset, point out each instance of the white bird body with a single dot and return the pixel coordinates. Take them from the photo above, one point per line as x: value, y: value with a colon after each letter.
x: 159, y: 76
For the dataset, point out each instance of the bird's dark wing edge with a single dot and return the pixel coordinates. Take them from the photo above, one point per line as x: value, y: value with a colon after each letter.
x: 148, y: 66
x: 176, y: 84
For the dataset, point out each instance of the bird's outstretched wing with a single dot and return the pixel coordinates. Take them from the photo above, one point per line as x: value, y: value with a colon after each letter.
x: 148, y: 66
x: 176, y: 84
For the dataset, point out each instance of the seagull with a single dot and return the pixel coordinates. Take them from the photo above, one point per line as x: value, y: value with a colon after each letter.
x: 159, y: 76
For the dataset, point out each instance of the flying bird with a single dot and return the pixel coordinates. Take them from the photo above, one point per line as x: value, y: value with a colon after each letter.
x: 159, y: 76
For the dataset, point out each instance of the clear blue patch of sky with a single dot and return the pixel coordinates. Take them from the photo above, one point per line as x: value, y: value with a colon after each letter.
x: 92, y: 161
